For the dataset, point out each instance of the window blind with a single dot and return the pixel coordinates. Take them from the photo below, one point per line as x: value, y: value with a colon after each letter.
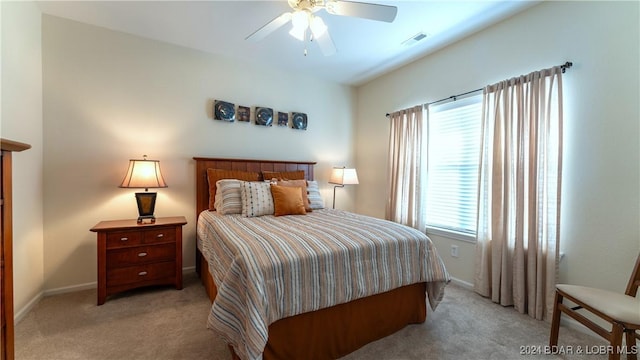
x: 452, y: 168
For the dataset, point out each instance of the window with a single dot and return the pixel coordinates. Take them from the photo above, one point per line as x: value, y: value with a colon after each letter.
x: 453, y: 156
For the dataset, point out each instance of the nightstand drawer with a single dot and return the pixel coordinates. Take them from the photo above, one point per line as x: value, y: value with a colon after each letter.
x: 140, y: 255
x: 140, y: 273
x: 159, y: 235
x: 118, y: 239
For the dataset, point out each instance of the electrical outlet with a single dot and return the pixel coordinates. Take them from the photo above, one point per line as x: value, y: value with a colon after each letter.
x: 454, y: 251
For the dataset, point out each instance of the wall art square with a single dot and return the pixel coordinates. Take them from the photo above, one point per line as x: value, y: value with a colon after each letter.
x: 283, y: 119
x: 223, y: 110
x: 299, y: 121
x: 264, y: 116
x: 244, y: 113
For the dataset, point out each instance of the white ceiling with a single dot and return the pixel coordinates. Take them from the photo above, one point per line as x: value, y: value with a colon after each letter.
x: 365, y: 48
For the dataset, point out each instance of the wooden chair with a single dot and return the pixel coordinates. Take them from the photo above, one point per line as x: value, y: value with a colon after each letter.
x: 622, y: 311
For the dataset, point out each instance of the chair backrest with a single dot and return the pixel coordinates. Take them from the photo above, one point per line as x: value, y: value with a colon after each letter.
x: 634, y: 281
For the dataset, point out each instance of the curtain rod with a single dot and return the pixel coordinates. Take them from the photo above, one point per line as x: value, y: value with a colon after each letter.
x: 564, y: 68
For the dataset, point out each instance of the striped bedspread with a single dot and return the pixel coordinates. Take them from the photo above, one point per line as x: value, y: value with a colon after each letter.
x: 268, y: 268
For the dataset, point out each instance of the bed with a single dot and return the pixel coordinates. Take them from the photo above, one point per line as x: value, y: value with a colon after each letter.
x: 311, y: 328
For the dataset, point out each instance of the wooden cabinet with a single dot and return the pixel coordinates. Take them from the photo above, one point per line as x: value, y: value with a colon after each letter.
x: 6, y: 249
x: 131, y: 255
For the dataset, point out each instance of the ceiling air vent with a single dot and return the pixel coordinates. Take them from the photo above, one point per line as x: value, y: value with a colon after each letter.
x: 414, y: 39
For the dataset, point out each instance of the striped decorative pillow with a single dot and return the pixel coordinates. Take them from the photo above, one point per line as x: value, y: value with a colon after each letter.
x: 213, y: 175
x: 228, y: 197
x: 313, y: 193
x: 256, y: 198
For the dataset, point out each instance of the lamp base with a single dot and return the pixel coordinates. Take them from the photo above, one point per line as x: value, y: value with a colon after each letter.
x: 334, y: 194
x: 142, y: 219
x: 146, y: 205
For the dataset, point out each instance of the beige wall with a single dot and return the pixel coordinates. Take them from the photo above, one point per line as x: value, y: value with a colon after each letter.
x: 601, y: 182
x: 22, y: 121
x: 109, y: 97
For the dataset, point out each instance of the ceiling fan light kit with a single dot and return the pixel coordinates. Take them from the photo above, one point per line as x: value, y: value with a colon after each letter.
x: 303, y: 19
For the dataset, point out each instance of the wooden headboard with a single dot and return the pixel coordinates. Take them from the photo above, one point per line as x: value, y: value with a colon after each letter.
x: 202, y: 164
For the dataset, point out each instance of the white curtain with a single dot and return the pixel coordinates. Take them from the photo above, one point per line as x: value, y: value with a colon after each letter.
x: 519, y: 195
x: 405, y: 165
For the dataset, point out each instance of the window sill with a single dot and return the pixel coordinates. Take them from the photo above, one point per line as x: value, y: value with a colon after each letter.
x: 451, y: 234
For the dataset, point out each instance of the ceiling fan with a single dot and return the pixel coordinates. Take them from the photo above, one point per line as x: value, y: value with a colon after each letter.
x: 303, y: 20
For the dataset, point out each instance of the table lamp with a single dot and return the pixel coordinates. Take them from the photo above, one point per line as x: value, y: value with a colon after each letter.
x: 144, y: 174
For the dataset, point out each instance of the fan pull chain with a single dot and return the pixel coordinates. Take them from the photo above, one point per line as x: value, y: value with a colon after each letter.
x: 305, y: 43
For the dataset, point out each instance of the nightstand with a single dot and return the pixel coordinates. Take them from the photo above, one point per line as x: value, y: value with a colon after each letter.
x: 131, y: 255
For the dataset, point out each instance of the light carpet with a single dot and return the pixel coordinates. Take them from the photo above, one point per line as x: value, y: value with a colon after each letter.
x: 163, y: 323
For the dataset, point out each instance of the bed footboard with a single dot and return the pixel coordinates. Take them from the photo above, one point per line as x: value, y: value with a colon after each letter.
x: 338, y: 330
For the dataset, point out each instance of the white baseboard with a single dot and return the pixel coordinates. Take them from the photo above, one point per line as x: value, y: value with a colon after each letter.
x: 72, y: 288
x: 21, y: 313
x: 462, y: 283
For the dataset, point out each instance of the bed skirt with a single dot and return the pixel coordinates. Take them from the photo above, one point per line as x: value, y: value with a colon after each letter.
x: 336, y: 331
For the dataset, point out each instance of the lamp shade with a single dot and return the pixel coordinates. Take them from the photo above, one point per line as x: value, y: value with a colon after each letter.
x: 300, y: 24
x: 143, y: 174
x: 343, y: 176
x: 318, y: 28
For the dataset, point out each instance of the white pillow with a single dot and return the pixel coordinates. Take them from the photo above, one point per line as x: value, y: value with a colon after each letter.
x: 313, y: 193
x: 256, y: 198
x: 228, y: 197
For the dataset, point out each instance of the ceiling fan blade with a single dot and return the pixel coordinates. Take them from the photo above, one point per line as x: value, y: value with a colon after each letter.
x: 270, y: 27
x: 362, y: 10
x: 326, y: 44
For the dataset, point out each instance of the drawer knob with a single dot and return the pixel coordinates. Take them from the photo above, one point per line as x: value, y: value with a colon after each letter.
x: 142, y: 273
x: 160, y: 235
x: 124, y: 238
x: 142, y: 254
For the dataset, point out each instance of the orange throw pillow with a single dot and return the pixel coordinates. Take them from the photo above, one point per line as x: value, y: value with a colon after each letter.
x: 301, y: 184
x: 287, y: 200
